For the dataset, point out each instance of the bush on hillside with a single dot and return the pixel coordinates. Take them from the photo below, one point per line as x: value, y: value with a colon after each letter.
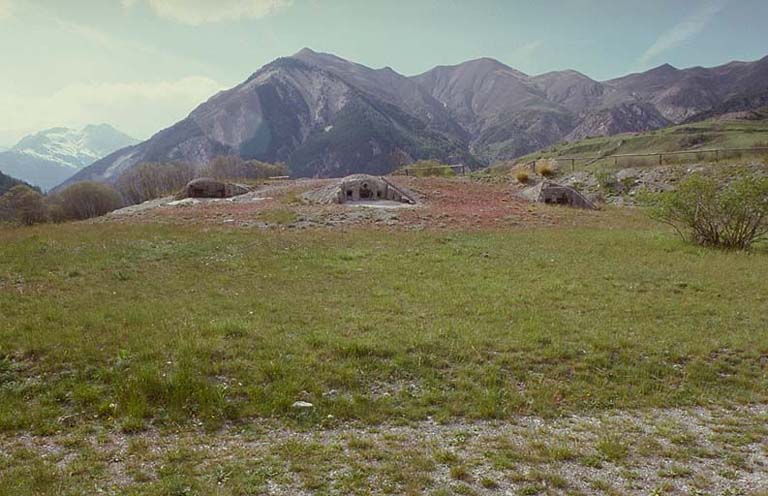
x: 23, y: 205
x: 154, y: 180
x: 84, y: 201
x: 425, y: 168
x: 702, y: 211
x: 522, y: 176
x: 546, y: 167
x: 235, y: 168
x: 693, y: 140
x: 605, y: 178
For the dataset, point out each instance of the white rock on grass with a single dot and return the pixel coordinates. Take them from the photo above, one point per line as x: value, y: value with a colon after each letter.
x: 302, y: 404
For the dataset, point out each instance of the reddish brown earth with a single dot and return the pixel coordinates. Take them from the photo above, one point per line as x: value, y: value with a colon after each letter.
x: 443, y: 203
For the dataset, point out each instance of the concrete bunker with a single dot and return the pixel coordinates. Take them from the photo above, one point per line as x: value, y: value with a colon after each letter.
x: 361, y: 188
x: 556, y: 194
x: 206, y: 187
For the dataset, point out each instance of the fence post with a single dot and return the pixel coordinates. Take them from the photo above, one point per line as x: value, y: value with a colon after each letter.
x: 573, y: 164
x: 717, y: 155
x: 660, y: 155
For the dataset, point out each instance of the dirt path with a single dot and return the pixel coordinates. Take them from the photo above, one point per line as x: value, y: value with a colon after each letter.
x: 672, y: 451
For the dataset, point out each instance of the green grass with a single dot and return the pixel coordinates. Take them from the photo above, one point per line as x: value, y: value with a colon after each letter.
x: 698, y: 136
x: 426, y: 168
x: 129, y: 326
x: 278, y: 217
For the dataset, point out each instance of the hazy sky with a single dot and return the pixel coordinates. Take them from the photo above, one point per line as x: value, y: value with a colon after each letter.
x: 141, y: 65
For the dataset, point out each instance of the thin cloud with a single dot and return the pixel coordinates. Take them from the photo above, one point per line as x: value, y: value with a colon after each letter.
x: 6, y: 9
x: 526, y: 50
x: 197, y: 12
x: 138, y: 108
x: 688, y: 28
x: 121, y: 46
x: 105, y: 40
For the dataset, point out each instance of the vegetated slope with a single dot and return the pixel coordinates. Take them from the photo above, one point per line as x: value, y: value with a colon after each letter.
x: 49, y: 157
x: 326, y: 116
x: 8, y: 182
x: 714, y: 133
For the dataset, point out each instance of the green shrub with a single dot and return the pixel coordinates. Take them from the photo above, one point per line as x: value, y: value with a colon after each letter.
x: 704, y: 212
x: 522, y: 176
x: 425, y: 168
x: 693, y: 140
x: 546, y: 168
x: 154, y: 180
x: 235, y: 168
x: 612, y: 448
x: 24, y: 205
x: 84, y: 201
x: 605, y: 179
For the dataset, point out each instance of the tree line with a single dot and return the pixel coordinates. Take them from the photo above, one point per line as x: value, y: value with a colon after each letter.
x: 25, y: 205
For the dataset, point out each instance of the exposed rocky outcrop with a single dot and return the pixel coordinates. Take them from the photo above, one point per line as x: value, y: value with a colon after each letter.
x: 623, y: 118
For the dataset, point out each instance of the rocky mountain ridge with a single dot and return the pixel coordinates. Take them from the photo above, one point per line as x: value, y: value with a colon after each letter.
x: 325, y: 116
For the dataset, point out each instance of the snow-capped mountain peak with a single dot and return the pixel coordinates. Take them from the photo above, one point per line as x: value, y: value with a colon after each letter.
x: 71, y: 147
x: 48, y: 157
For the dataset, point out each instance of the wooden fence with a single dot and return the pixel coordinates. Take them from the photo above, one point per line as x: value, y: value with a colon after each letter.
x: 718, y: 152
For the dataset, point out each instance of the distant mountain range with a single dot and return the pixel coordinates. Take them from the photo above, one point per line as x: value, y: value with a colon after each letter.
x: 49, y: 157
x: 326, y: 116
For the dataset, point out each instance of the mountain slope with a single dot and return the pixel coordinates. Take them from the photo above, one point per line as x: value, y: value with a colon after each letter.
x: 320, y: 118
x: 620, y: 118
x: 8, y: 182
x: 503, y: 110
x: 49, y: 157
x: 326, y: 116
x: 571, y: 89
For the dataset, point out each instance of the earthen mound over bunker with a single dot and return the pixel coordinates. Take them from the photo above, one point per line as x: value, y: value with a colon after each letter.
x: 557, y: 194
x: 360, y: 188
x: 206, y: 187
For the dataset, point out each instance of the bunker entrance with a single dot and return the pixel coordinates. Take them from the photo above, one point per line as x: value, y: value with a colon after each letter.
x: 362, y: 187
x: 365, y: 192
x: 556, y: 194
x: 558, y: 200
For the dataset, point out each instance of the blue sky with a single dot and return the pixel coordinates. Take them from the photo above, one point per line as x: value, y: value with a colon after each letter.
x: 143, y: 64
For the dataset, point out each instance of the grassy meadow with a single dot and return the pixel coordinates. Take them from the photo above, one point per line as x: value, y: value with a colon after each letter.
x: 130, y: 327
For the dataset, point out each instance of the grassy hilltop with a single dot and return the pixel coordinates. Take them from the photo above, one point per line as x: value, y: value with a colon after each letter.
x: 704, y: 135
